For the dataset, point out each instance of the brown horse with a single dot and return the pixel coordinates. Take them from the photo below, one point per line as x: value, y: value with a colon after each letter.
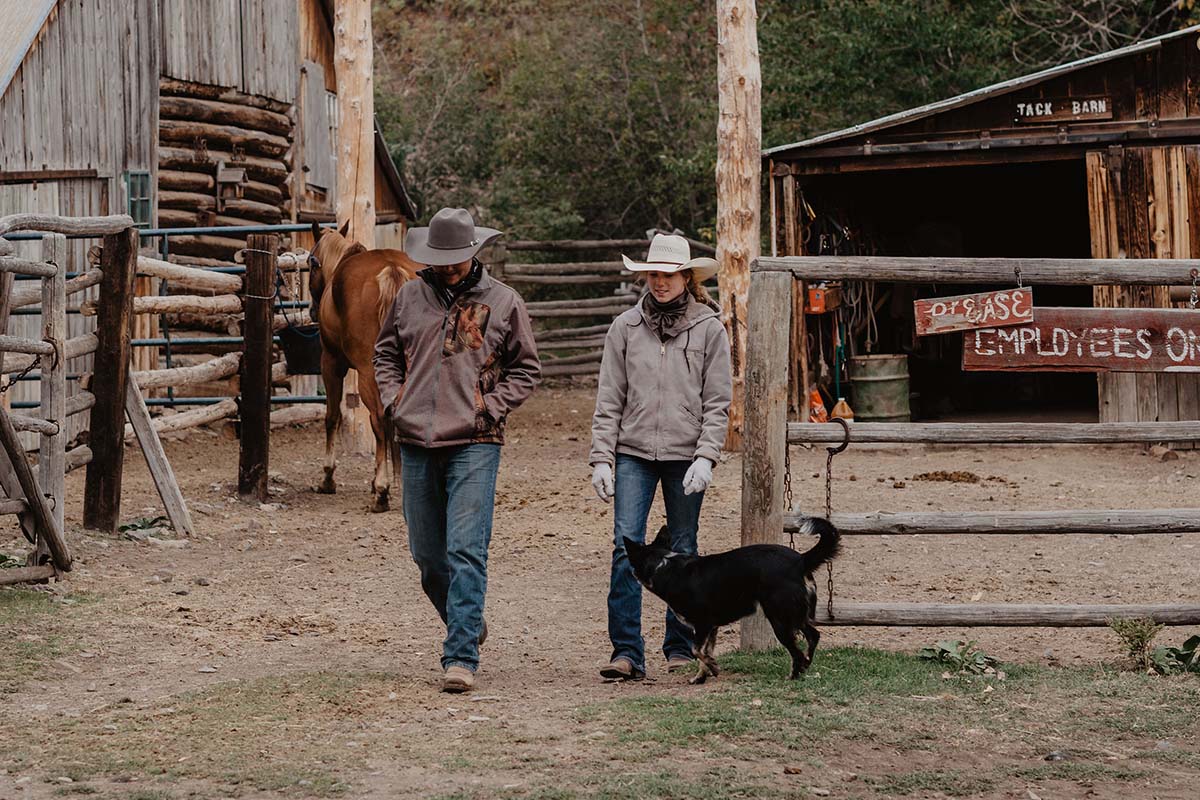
x: 353, y: 290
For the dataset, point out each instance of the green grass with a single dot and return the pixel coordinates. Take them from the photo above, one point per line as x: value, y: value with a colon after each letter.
x: 25, y: 644
x: 948, y: 782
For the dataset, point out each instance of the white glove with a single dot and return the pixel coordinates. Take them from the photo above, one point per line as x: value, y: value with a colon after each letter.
x: 698, y: 477
x: 602, y: 481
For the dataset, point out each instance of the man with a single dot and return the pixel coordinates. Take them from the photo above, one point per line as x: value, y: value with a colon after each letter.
x: 454, y: 357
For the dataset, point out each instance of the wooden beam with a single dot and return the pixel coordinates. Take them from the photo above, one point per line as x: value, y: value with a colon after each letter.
x: 8, y: 476
x: 996, y: 433
x: 568, y: 268
x: 254, y: 456
x: 175, y: 304
x: 214, y: 370
x: 39, y: 506
x: 200, y: 110
x: 102, y: 490
x: 51, y: 223
x: 738, y: 181
x: 9, y: 577
x: 23, y: 266
x: 19, y: 344
x: 953, y: 615
x: 81, y: 456
x: 29, y: 297
x: 764, y: 451
x: 1061, y: 271
x: 194, y: 418
x: 156, y: 459
x: 1115, y: 521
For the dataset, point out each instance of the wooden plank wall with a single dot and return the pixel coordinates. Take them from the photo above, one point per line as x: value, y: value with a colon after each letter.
x: 1143, y: 203
x: 86, y: 96
x: 249, y: 45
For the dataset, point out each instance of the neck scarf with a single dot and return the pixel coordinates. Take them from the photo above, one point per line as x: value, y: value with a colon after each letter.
x: 664, y: 317
x: 448, y: 293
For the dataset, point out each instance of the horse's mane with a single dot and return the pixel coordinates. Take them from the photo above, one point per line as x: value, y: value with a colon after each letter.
x: 340, y: 248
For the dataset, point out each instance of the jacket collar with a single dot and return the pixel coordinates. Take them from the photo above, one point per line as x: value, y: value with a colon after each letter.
x: 696, y: 313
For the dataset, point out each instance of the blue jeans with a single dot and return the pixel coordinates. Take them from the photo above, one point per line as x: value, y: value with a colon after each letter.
x: 636, y: 481
x: 449, y: 495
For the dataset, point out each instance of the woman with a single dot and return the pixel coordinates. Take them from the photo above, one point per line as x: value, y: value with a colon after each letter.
x: 661, y: 412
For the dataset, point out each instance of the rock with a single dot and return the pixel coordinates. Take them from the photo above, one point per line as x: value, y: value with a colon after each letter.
x: 792, y: 770
x: 898, y: 485
x: 180, y: 592
x: 207, y: 669
x: 1056, y: 755
x: 1163, y: 453
x: 819, y: 792
x: 137, y: 535
x: 477, y: 718
x: 169, y: 543
x: 1030, y: 794
x: 1164, y: 745
x: 203, y: 582
x: 63, y: 779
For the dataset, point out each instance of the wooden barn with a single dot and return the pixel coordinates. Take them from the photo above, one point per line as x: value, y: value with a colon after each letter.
x: 182, y: 113
x: 1098, y: 158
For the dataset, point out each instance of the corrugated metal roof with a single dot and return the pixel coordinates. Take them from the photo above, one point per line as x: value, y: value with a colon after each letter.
x: 19, y: 26
x: 996, y: 89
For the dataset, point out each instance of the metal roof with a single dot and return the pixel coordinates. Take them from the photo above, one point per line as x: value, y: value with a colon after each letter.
x: 996, y: 89
x: 19, y: 26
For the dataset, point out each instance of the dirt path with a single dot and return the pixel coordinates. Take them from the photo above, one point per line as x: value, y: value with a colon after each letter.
x: 315, y: 585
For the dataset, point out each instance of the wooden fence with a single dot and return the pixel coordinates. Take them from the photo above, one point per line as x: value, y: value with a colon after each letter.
x: 768, y: 434
x: 576, y: 347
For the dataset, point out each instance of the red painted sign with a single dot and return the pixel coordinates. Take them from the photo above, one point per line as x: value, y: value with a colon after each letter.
x: 967, y: 311
x: 1090, y: 340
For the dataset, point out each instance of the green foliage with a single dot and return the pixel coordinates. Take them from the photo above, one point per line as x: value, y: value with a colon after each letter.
x: 10, y: 562
x: 145, y: 523
x: 1136, y: 635
x: 566, y: 118
x: 1171, y: 660
x: 963, y: 656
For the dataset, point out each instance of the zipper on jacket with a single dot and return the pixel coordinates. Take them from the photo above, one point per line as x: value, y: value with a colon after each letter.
x: 662, y: 357
x: 437, y: 380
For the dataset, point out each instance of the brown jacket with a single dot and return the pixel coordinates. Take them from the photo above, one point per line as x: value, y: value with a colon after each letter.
x: 453, y: 374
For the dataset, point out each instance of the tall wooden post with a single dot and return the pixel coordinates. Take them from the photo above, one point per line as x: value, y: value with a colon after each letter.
x: 254, y: 455
x: 765, y: 450
x: 114, y: 316
x: 52, y: 457
x: 353, y: 58
x: 739, y: 168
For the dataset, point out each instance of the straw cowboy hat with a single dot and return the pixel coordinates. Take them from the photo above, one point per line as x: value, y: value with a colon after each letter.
x: 671, y: 253
x: 451, y: 238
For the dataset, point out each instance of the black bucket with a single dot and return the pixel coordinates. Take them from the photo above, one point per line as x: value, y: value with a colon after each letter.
x: 301, y: 348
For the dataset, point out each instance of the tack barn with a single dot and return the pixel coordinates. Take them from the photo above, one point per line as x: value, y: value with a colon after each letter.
x: 1096, y: 158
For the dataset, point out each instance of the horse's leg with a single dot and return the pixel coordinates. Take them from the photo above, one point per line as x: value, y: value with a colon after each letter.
x: 333, y: 373
x: 369, y: 392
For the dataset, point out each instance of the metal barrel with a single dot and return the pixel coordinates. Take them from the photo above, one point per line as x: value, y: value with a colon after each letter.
x: 879, y: 386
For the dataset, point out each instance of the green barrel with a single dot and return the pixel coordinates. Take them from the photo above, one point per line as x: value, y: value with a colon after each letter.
x: 879, y: 386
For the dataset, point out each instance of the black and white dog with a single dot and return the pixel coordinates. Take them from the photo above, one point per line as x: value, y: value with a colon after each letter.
x: 710, y: 591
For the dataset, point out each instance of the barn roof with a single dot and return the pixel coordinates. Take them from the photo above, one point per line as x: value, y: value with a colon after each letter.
x: 19, y: 26
x: 968, y: 98
x: 383, y: 156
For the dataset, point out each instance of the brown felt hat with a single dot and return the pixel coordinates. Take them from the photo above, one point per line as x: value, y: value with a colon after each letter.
x: 451, y: 238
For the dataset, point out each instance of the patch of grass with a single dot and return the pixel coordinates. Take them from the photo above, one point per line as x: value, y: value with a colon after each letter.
x: 1183, y: 758
x: 24, y: 645
x: 280, y: 734
x: 1080, y: 771
x: 948, y: 782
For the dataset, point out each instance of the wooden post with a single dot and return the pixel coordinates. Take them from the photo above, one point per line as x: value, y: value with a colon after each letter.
x: 156, y: 459
x: 766, y: 426
x: 256, y: 368
x: 739, y: 167
x: 102, y: 490
x: 8, y: 476
x: 353, y: 56
x: 35, y: 501
x: 52, y: 458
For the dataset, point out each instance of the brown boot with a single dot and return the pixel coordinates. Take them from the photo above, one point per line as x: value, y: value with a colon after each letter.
x: 621, y: 669
x: 458, y: 680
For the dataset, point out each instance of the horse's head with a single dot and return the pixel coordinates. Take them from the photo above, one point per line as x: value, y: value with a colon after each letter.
x: 330, y: 249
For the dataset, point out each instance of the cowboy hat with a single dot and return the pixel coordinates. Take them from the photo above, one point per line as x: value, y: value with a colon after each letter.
x: 671, y: 253
x: 451, y: 238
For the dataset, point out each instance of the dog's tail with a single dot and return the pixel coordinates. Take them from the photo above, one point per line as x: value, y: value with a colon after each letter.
x: 829, y: 542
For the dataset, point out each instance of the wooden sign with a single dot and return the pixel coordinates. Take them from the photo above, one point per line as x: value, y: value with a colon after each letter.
x: 1090, y: 340
x: 967, y: 311
x: 1062, y: 109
